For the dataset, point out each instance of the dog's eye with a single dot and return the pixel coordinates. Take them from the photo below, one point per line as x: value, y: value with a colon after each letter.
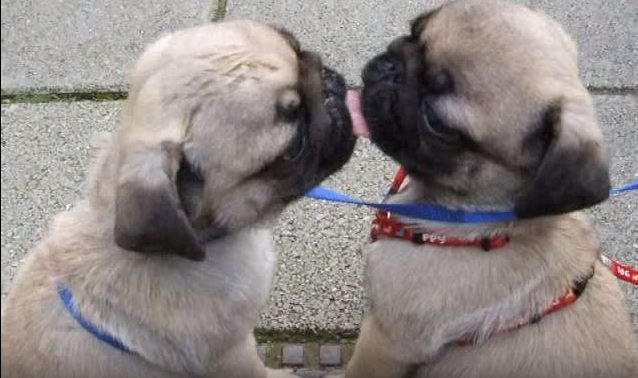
x: 439, y: 83
x: 436, y: 126
x: 297, y: 145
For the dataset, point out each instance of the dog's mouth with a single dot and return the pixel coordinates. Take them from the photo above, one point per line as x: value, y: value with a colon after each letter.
x: 338, y: 143
x: 323, y: 143
x: 386, y: 107
x: 396, y: 109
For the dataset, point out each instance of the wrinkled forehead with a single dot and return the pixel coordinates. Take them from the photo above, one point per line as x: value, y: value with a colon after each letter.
x: 482, y: 33
x: 263, y: 42
x: 234, y: 48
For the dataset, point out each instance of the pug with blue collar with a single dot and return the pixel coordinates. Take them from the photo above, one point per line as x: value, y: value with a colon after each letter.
x: 163, y: 266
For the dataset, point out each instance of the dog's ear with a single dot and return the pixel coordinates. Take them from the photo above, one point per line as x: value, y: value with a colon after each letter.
x: 149, y: 217
x: 573, y: 173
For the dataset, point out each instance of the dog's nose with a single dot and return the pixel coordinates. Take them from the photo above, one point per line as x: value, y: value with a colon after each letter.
x: 387, y: 66
x: 384, y: 67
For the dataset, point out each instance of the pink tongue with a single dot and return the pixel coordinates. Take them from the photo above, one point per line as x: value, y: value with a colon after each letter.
x: 359, y: 125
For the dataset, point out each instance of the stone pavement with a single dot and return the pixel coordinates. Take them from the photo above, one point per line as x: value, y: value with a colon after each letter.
x: 57, y: 52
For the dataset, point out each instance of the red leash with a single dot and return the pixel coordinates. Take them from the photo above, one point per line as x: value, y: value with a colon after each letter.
x: 621, y: 271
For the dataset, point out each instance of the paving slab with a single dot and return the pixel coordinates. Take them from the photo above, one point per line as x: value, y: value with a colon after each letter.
x: 330, y: 355
x: 617, y: 219
x: 348, y: 33
x: 317, y: 286
x: 45, y: 150
x: 83, y: 45
x: 292, y: 355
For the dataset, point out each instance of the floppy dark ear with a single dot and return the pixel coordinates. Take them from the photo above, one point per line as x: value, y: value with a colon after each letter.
x: 149, y: 217
x: 418, y: 24
x: 574, y: 173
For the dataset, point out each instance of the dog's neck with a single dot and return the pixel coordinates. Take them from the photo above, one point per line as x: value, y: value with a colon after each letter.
x: 238, y: 268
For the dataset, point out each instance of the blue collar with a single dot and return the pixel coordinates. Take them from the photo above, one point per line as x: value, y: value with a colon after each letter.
x: 67, y: 299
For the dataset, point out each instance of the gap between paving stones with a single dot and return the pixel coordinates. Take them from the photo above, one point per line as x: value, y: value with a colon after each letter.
x: 264, y: 335
x: 46, y: 97
x: 100, y: 96
x: 612, y: 91
x: 218, y: 10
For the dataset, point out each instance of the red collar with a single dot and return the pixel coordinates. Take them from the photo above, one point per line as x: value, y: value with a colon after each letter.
x: 384, y: 224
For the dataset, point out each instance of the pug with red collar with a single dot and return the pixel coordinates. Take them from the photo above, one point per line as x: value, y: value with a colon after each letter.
x: 483, y: 106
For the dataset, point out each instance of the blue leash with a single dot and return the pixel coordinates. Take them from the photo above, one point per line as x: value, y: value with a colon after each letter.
x: 67, y: 299
x: 431, y: 211
x: 419, y: 211
x: 625, y: 188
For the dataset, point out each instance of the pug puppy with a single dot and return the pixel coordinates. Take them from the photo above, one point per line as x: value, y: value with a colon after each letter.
x: 483, y: 106
x: 170, y: 251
